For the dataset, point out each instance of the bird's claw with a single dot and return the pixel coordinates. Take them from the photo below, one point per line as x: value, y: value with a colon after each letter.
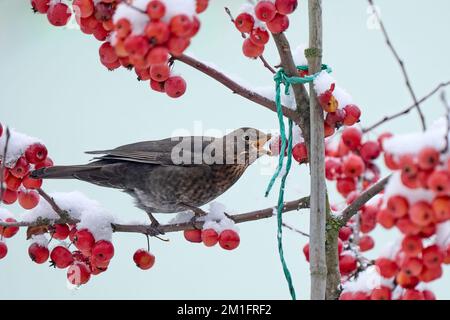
x: 155, y: 230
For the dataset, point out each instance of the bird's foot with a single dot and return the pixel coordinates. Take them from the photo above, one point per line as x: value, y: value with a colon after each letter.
x: 155, y: 226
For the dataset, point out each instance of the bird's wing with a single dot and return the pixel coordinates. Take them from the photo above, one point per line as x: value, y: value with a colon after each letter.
x: 157, y: 152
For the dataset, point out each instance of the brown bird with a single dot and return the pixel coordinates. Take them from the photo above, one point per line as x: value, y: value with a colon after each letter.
x: 170, y: 175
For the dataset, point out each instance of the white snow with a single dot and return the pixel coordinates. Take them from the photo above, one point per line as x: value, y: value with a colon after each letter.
x: 412, y: 143
x: 40, y: 239
x: 90, y: 213
x: 367, y: 280
x: 391, y: 249
x: 323, y: 83
x: 269, y: 93
x: 137, y: 19
x: 396, y: 187
x: 299, y: 55
x: 5, y: 214
x: 443, y: 235
x: 18, y: 143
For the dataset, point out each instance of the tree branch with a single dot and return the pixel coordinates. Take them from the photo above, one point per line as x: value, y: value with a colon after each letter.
x: 408, y: 109
x: 3, y: 162
x: 237, y: 88
x: 401, y: 63
x: 302, y: 203
x: 362, y: 199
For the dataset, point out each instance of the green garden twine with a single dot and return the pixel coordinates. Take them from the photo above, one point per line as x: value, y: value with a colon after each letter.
x: 281, y: 78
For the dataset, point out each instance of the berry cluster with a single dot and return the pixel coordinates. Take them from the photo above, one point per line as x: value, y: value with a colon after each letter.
x: 227, y: 239
x: 254, y: 20
x: 139, y: 34
x: 16, y: 174
x: 58, y: 13
x: 6, y: 232
x: 351, y: 162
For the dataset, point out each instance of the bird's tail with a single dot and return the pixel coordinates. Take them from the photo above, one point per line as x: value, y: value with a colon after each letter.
x: 59, y: 172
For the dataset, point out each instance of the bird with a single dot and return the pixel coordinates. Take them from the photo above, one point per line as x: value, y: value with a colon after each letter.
x: 170, y: 175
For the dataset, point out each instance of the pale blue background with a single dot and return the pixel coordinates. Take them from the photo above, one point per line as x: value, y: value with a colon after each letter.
x: 52, y: 86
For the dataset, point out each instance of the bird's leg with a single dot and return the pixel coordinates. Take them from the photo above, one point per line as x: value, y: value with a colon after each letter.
x: 155, y: 225
x: 198, y: 212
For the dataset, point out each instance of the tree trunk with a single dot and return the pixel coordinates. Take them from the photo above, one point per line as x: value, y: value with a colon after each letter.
x: 318, y: 266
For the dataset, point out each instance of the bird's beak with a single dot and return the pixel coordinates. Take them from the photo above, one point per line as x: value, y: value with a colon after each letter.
x: 261, y: 142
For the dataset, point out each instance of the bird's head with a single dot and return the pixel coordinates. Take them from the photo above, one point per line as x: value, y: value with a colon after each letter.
x: 245, y: 145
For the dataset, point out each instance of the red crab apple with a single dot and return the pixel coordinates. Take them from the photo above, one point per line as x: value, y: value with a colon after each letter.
x: 385, y: 218
x: 352, y: 114
x: 12, y: 183
x: 244, y: 22
x: 432, y: 256
x: 441, y: 208
x: 9, y: 196
x: 353, y: 166
x: 38, y: 253
x: 177, y: 45
x: 9, y: 232
x: 175, y: 86
x: 3, y: 250
x: 366, y: 243
x: 390, y: 161
x: 44, y: 164
x: 59, y: 14
x: 408, y: 165
x: 84, y: 240
x: 347, y: 264
x: 370, y: 150
x: 36, y: 153
x: 28, y: 199
x: 411, y: 266
x: 429, y: 295
x: 156, y: 9
x: 412, y: 246
x: 259, y: 36
x: 381, y: 293
x: 407, y: 227
x: 229, y: 239
x: 61, y: 257
x: 21, y: 168
x: 265, y: 11
x: 398, y: 206
x: 158, y: 55
x: 40, y: 6
x: 144, y: 259
x: 157, y: 86
x: 160, y: 72
x: 286, y: 6
x: 251, y: 50
x: 439, y: 182
x: 210, y: 237
x: 60, y: 231
x: 201, y: 5
x: 278, y: 24
x: 180, y: 25
x: 387, y: 268
x: 107, y: 53
x: 428, y: 158
x: 430, y: 274
x: 406, y: 281
x: 103, y: 251
x: 327, y: 101
x: 122, y: 27
x: 300, y: 153
x: 412, y: 294
x: 306, y: 251
x: 83, y: 8
x: 158, y: 32
x: 137, y: 45
x: 345, y: 233
x: 194, y: 235
x: 352, y: 137
x: 78, y: 273
x: 421, y: 213
x: 31, y: 183
x: 345, y: 185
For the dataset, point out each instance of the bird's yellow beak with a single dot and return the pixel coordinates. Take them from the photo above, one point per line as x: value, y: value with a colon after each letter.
x: 261, y: 142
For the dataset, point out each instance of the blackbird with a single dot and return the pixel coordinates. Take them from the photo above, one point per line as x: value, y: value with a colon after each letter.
x: 170, y: 175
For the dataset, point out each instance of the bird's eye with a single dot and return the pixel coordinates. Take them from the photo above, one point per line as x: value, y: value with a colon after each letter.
x: 246, y: 138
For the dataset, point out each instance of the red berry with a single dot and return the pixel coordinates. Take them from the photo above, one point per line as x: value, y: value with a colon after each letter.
x: 229, y: 239
x: 104, y: 11
x: 407, y: 227
x: 156, y: 9
x: 177, y: 45
x: 157, y: 86
x: 441, y: 208
x: 100, y: 33
x: 3, y: 250
x: 352, y: 137
x: 180, y: 25
x: 103, y: 251
x: 61, y: 257
x: 333, y: 168
x: 335, y: 119
x: 265, y: 11
x: 408, y: 165
x: 386, y: 267
x: 157, y: 32
x: 381, y: 293
x: 12, y: 183
x: 366, y: 243
x: 21, y: 168
x: 421, y: 213
x: 353, y: 166
x: 36, y: 153
x: 432, y: 256
x: 210, y: 237
x: 160, y: 72
x: 144, y: 259
x: 439, y: 182
x: 428, y: 295
x: 352, y: 114
x: 59, y: 14
x: 78, y: 273
x: 28, y: 199
x: 412, y: 266
x: 84, y: 240
x: 244, y: 22
x: 158, y: 55
x: 194, y: 235
x: 412, y: 245
x: 60, y: 231
x: 195, y: 27
x: 390, y: 162
x: 286, y: 6
x: 259, y: 36
x: 40, y: 6
x: 137, y: 45
x: 8, y: 232
x: 411, y: 294
x: 300, y: 153
x: 345, y: 233
x: 385, y: 218
x: 398, y: 206
x: 405, y: 281
x: 306, y: 251
x: 9, y: 196
x: 107, y: 53
x: 428, y: 158
x: 83, y: 8
x: 175, y: 86
x: 345, y: 185
x: 122, y: 27
x: 430, y: 274
x: 347, y: 264
x: 252, y: 50
x: 44, y: 164
x: 201, y: 5
x: 1, y: 130
x: 38, y: 253
x: 143, y: 74
x: 370, y: 150
x: 278, y: 24
x: 31, y: 183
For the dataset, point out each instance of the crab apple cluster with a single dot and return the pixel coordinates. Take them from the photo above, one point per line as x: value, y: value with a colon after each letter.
x: 18, y: 186
x: 351, y: 162
x: 228, y: 239
x: 6, y: 232
x: 256, y: 22
x: 88, y: 258
x: 149, y: 49
x: 58, y: 13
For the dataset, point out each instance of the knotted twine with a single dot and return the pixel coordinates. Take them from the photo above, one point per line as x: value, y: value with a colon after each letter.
x: 281, y: 78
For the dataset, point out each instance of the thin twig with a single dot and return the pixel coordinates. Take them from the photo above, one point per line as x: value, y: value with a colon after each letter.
x: 261, y: 57
x: 61, y: 213
x: 447, y: 114
x: 408, y: 109
x: 237, y: 88
x: 401, y: 63
x: 295, y: 205
x: 134, y: 7
x: 3, y: 162
x: 295, y: 229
